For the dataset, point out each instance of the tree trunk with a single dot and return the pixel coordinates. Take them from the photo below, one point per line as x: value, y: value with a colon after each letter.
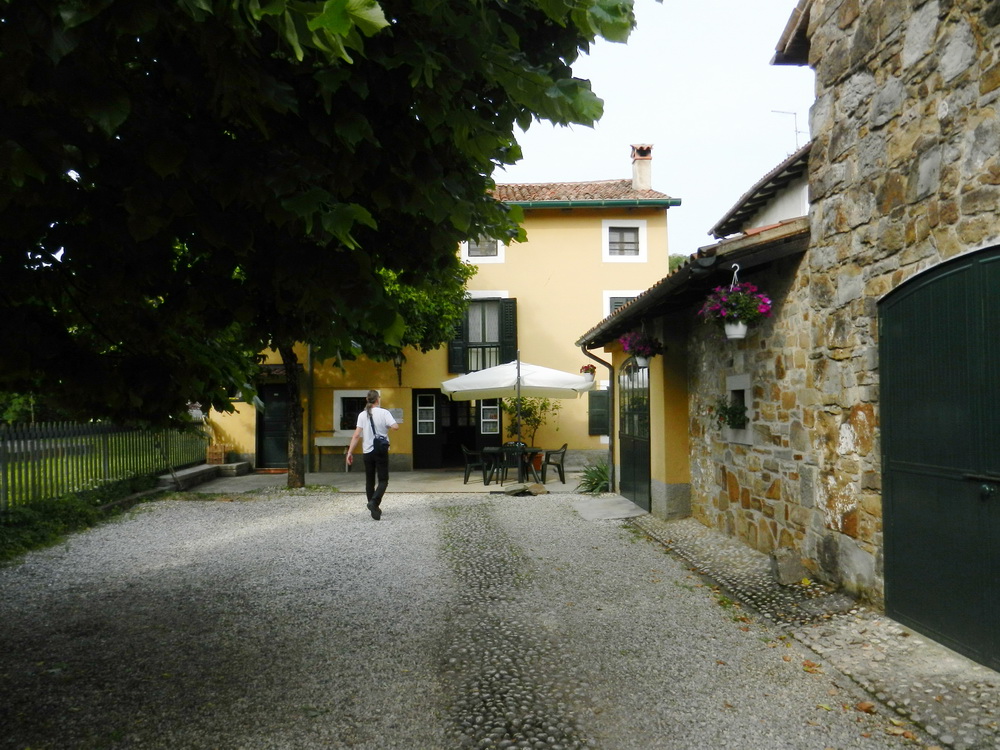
x: 296, y: 464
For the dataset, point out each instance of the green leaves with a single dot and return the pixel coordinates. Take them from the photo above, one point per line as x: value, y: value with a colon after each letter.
x: 184, y: 184
x: 341, y: 16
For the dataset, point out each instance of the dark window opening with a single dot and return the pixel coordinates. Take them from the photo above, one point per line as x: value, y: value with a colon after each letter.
x: 350, y: 408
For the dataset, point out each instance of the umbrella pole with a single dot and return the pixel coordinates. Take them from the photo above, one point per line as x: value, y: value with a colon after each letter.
x: 520, y: 458
x: 518, y: 383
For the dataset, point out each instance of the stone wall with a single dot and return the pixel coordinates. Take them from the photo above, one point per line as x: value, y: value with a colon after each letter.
x: 773, y: 485
x: 904, y: 173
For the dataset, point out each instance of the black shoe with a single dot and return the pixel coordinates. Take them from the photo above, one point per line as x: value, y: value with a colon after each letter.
x: 376, y: 513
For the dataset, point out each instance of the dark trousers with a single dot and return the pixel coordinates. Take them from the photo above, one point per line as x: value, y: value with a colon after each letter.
x: 376, y: 465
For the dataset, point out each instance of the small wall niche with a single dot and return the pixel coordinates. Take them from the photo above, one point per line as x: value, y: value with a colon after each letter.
x: 738, y: 390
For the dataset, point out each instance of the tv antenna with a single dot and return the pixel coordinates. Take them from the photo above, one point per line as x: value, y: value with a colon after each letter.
x: 795, y: 121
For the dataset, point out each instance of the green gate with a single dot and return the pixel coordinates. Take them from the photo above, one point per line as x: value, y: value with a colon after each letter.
x: 940, y: 411
x: 633, y: 434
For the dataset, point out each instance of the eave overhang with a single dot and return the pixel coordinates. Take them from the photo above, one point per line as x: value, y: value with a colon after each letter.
x: 627, y: 203
x: 763, y: 192
x: 706, y: 269
x: 793, y: 46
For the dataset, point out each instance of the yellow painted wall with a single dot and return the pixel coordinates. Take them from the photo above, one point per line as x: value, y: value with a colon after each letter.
x: 558, y: 277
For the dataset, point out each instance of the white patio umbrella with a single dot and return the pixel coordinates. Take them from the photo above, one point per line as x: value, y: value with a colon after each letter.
x: 518, y: 379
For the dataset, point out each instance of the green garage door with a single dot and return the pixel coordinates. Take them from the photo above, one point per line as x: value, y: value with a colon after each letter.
x: 940, y: 411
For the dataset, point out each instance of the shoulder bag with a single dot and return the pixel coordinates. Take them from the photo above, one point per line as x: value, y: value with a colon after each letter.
x: 380, y: 443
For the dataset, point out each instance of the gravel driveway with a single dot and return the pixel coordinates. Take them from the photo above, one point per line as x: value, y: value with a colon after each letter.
x: 293, y: 620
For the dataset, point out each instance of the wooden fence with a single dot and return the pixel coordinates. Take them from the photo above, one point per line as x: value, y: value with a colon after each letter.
x: 42, y: 461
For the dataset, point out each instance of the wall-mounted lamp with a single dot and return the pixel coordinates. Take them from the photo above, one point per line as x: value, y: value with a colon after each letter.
x: 398, y: 359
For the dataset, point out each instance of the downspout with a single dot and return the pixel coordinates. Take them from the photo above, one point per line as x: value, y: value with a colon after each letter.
x: 611, y: 415
x: 310, y: 395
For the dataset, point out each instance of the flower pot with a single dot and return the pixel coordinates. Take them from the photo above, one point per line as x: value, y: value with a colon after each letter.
x: 589, y: 376
x: 737, y: 330
x: 641, y: 362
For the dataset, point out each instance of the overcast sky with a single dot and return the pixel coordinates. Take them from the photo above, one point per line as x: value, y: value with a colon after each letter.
x: 694, y: 80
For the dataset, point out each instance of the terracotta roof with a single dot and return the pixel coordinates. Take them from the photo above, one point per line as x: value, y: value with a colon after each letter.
x: 604, y: 190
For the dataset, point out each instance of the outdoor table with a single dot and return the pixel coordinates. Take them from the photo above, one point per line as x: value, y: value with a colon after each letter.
x: 494, y: 454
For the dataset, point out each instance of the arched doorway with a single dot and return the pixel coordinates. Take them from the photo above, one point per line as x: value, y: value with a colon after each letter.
x: 940, y: 414
x: 633, y: 433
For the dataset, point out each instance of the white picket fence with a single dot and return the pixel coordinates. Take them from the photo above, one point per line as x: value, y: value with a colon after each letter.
x: 42, y: 461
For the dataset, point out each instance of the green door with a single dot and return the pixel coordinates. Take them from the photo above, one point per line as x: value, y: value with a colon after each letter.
x: 272, y: 427
x: 940, y: 411
x: 633, y: 434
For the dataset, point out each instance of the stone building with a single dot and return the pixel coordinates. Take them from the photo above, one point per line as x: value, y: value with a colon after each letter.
x: 871, y: 451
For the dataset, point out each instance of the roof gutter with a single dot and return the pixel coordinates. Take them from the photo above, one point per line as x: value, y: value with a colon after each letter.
x: 633, y: 203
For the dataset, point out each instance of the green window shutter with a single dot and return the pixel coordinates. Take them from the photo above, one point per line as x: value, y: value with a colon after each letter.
x: 457, y: 359
x: 508, y: 330
x: 598, y: 412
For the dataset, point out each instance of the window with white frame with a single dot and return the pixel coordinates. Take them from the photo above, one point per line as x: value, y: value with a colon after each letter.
x: 484, y: 250
x: 426, y: 414
x: 347, y: 404
x: 624, y: 240
x: 615, y: 298
x: 489, y: 417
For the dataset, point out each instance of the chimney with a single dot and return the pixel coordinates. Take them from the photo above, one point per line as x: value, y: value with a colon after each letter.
x: 642, y: 166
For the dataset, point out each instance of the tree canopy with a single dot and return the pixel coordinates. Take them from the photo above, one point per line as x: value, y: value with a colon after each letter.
x: 186, y: 183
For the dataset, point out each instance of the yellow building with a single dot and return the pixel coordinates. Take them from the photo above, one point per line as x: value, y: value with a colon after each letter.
x: 590, y: 247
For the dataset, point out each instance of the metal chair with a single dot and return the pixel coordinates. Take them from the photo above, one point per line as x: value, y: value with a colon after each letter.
x: 473, y: 460
x: 555, y: 458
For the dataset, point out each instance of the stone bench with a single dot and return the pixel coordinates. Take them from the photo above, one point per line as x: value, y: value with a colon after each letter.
x: 183, y: 479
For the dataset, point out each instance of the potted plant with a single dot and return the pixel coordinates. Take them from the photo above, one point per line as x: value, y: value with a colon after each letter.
x: 735, y: 307
x: 534, y: 412
x: 732, y: 414
x: 589, y: 371
x: 641, y: 345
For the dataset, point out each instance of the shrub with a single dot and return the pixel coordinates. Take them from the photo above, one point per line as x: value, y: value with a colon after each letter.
x: 596, y: 479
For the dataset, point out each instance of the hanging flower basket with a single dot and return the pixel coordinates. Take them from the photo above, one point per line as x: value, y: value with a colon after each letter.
x: 588, y: 371
x: 642, y: 346
x: 736, y: 304
x: 735, y: 330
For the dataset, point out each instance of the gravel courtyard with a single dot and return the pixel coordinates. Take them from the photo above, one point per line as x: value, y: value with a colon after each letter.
x: 293, y: 620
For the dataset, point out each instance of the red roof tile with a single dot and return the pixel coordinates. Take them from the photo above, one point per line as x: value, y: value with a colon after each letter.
x: 605, y: 190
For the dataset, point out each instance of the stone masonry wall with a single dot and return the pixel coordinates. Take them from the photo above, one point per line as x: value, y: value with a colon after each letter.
x: 768, y: 486
x: 904, y: 173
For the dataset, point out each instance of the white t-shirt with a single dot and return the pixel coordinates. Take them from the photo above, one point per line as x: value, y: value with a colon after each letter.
x: 383, y: 422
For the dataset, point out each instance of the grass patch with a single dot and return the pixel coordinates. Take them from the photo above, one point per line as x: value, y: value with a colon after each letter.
x: 47, y: 522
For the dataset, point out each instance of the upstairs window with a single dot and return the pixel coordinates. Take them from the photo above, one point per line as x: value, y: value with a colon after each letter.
x: 483, y: 250
x: 624, y: 241
x: 484, y: 247
x: 613, y: 299
x: 486, y: 338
